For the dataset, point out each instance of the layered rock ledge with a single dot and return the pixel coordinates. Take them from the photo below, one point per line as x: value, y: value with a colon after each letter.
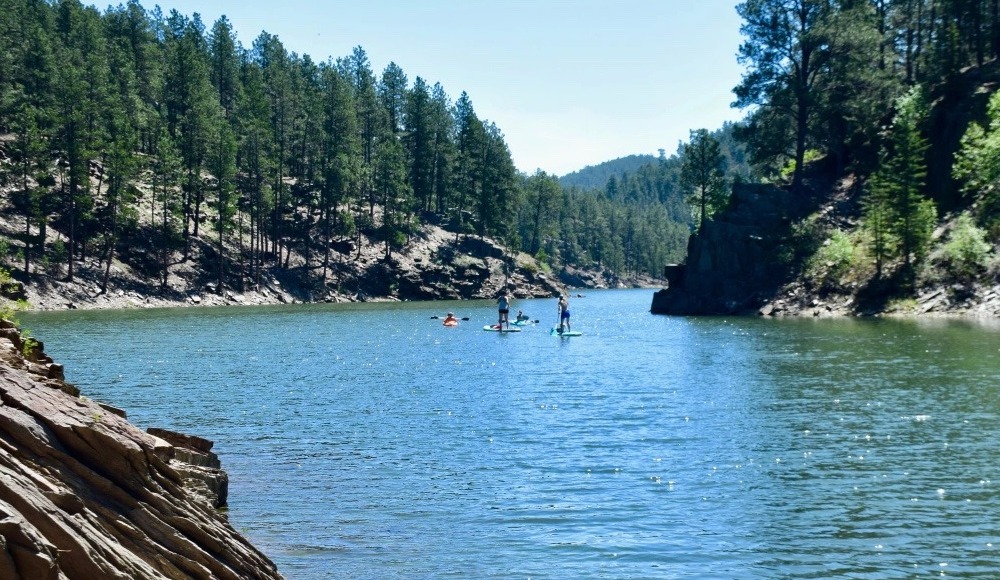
x: 84, y: 494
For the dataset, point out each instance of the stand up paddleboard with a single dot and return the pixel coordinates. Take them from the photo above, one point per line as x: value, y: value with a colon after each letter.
x: 494, y: 328
x: 555, y: 332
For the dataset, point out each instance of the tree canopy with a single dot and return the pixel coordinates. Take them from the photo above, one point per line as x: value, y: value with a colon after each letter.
x: 138, y: 132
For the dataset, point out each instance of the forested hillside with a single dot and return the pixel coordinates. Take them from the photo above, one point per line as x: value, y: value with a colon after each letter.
x: 881, y: 119
x: 144, y: 140
x: 596, y: 176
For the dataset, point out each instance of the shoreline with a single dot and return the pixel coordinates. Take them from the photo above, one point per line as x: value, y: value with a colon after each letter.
x: 128, y: 291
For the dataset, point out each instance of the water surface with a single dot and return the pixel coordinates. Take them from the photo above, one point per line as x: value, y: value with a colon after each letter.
x: 368, y: 441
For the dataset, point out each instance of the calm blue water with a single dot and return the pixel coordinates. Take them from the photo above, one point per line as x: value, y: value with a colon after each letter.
x: 367, y: 441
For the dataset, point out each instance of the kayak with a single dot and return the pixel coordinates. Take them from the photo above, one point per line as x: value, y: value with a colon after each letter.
x: 555, y: 332
x: 450, y: 323
x: 521, y: 322
x: 494, y: 328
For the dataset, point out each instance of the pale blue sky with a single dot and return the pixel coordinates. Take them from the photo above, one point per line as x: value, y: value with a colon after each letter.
x: 570, y: 83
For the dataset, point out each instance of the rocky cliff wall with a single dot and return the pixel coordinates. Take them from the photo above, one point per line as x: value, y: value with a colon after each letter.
x: 733, y: 264
x: 84, y: 494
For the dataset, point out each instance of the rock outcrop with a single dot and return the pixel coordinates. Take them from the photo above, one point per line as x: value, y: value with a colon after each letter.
x: 86, y: 495
x: 440, y: 266
x: 734, y: 264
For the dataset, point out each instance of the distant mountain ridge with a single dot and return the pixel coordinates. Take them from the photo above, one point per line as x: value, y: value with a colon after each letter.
x: 596, y: 176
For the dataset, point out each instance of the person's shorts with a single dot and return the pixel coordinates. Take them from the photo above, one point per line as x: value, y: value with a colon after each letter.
x: 505, y: 312
x: 565, y: 314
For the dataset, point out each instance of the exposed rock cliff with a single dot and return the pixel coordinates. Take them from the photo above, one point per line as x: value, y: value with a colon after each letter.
x: 734, y: 264
x: 85, y: 494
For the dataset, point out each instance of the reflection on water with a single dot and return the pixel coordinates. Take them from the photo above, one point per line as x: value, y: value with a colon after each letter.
x: 368, y: 441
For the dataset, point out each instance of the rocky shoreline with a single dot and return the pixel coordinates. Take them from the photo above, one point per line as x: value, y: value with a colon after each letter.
x: 435, y: 265
x: 732, y: 269
x: 85, y: 494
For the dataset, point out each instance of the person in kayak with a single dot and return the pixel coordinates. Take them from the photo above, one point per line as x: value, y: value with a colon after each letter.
x: 450, y: 320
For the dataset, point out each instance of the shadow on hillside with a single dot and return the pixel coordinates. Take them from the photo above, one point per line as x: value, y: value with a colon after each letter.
x: 878, y: 293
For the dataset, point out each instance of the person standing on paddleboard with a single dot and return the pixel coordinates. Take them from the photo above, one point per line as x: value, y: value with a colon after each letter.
x: 503, y: 305
x: 563, y: 313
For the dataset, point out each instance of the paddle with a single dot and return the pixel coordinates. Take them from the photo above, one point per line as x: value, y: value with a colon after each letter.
x: 436, y: 317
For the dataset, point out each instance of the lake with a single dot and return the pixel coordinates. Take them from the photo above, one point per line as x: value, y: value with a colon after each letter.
x: 369, y: 441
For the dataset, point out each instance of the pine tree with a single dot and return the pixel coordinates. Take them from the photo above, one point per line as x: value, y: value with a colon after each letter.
x: 498, y: 193
x: 419, y: 138
x: 898, y: 184
x: 192, y: 107
x: 222, y: 162
x: 471, y: 143
x: 542, y: 196
x: 225, y: 65
x: 703, y: 175
x: 166, y: 178
x: 341, y: 159
x: 445, y: 149
x: 392, y: 91
x: 784, y: 51
x: 394, y: 193
x: 254, y: 143
x: 853, y: 95
x: 81, y: 95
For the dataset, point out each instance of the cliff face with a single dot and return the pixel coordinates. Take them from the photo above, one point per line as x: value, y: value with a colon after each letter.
x: 734, y: 263
x: 85, y: 494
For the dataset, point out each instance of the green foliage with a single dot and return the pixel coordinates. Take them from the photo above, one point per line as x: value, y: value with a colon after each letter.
x: 877, y: 227
x: 839, y: 261
x: 56, y: 255
x: 703, y: 176
x: 966, y: 253
x: 278, y: 153
x: 788, y: 169
x: 977, y: 164
x: 541, y: 257
x: 900, y: 219
x: 597, y: 176
x: 9, y: 308
x: 785, y: 53
x: 28, y: 344
x: 804, y: 240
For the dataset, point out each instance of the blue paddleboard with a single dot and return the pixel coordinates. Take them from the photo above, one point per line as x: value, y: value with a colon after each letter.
x: 493, y: 328
x: 555, y: 332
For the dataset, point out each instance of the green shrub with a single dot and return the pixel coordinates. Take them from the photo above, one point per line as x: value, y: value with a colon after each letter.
x: 10, y: 308
x: 966, y: 253
x: 28, y: 344
x: 56, y: 256
x: 835, y: 260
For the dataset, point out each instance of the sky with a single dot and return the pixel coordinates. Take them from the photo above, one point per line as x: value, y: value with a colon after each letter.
x: 570, y: 83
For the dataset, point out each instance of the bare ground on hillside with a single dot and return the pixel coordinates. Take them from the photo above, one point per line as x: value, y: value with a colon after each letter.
x: 433, y: 264
x: 863, y: 295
